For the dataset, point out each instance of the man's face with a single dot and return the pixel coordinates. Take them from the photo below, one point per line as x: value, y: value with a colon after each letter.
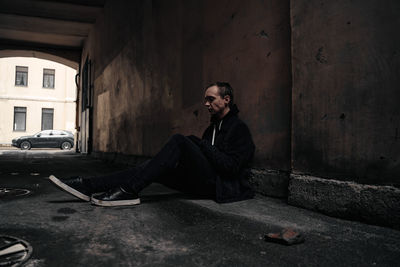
x: 215, y: 104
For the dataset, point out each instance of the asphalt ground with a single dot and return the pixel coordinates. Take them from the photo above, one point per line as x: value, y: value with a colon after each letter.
x: 170, y: 228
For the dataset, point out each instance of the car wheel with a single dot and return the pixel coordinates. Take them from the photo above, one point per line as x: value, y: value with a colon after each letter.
x: 66, y: 146
x: 25, y: 145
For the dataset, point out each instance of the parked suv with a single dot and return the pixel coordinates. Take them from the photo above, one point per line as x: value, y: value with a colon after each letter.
x: 46, y: 139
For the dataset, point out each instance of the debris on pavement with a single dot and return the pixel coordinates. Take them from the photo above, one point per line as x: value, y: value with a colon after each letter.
x: 287, y: 236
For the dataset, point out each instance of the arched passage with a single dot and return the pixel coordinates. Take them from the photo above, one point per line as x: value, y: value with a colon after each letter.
x: 37, y: 92
x: 69, y: 58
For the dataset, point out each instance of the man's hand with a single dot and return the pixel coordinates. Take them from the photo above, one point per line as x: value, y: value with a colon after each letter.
x: 194, y: 139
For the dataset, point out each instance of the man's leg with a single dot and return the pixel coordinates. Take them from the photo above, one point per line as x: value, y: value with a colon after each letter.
x: 180, y: 157
x: 84, y: 187
x: 106, y: 182
x: 193, y: 175
x: 179, y: 154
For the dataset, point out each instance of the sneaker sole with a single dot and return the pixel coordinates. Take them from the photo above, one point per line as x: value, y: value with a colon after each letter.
x: 68, y: 189
x: 130, y: 202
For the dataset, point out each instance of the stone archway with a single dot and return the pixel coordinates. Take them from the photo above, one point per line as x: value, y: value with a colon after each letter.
x: 34, y: 100
x: 70, y: 59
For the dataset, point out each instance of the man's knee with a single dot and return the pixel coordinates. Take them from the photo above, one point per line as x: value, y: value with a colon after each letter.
x: 178, y: 138
x: 180, y: 141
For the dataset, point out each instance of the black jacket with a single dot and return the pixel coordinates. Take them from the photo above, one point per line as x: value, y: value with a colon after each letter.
x: 230, y: 155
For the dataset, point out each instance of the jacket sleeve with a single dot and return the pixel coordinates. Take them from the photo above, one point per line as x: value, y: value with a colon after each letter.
x: 234, y: 153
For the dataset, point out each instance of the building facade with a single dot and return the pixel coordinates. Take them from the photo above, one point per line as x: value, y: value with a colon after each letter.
x: 35, y: 95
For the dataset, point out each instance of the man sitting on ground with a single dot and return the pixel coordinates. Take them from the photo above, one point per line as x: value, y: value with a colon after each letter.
x: 215, y: 166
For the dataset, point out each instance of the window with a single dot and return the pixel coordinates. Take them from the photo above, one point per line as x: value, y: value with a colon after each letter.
x: 47, y: 118
x: 59, y: 133
x: 19, y: 118
x: 21, y: 76
x: 48, y: 78
x: 47, y: 133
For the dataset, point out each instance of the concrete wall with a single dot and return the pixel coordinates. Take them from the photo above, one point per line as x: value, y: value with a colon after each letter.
x: 346, y: 116
x: 34, y: 97
x: 339, y: 118
x: 152, y: 60
x: 248, y: 44
x: 346, y: 76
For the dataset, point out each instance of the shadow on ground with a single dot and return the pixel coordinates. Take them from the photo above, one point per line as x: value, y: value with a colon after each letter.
x: 169, y: 228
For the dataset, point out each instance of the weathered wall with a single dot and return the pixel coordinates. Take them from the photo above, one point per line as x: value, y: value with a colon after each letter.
x: 338, y: 120
x: 248, y: 44
x: 152, y: 59
x: 346, y: 76
x: 136, y: 63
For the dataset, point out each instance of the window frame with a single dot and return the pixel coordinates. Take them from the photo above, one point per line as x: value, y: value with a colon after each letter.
x: 52, y: 122
x: 20, y: 71
x: 49, y: 74
x: 14, y: 122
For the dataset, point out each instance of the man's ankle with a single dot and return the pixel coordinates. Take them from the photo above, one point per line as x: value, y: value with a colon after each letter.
x: 87, y: 183
x: 127, y: 190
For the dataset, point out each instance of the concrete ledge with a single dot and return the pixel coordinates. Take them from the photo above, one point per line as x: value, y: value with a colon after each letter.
x: 270, y: 182
x: 379, y: 205
x: 266, y: 182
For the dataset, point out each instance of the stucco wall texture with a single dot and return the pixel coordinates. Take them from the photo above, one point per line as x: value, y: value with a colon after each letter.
x: 152, y: 60
x: 338, y: 118
x: 346, y: 76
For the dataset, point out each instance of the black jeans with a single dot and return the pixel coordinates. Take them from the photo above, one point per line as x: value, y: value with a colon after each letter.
x: 180, y: 164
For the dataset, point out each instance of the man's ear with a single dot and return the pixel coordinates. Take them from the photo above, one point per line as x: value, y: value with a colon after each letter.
x: 227, y: 99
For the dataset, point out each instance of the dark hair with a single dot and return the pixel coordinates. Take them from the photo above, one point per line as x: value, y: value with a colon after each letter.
x: 224, y: 89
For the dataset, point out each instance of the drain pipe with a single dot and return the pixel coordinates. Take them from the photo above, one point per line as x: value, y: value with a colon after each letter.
x: 77, y: 127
